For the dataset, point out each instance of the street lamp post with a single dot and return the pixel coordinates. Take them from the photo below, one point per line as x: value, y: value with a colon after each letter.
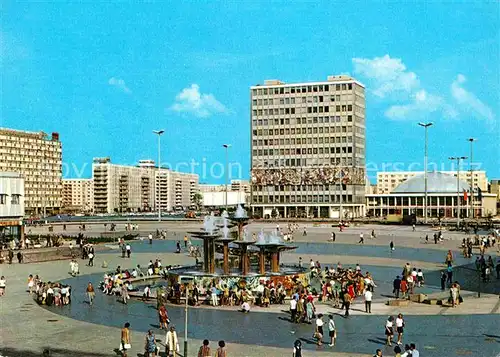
x: 425, y: 126
x: 186, y: 322
x: 159, y: 133
x: 226, y: 146
x: 471, y: 140
x: 458, y: 159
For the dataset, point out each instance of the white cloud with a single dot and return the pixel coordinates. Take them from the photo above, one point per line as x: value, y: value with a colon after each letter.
x: 421, y: 104
x: 389, y: 75
x: 190, y: 100
x: 468, y: 100
x: 120, y: 84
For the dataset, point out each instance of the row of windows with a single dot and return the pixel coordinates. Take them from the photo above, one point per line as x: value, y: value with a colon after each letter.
x: 298, y: 141
x: 310, y: 162
x: 309, y: 110
x: 302, y: 89
x: 292, y: 100
x: 309, y: 151
x: 286, y: 188
x: 293, y: 131
x: 304, y: 120
x: 302, y: 199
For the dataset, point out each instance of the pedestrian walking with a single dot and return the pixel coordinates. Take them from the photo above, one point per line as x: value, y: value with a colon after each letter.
x: 125, y: 340
x: 150, y: 237
x: 347, y: 302
x: 443, y: 280
x: 396, y: 287
x: 185, y: 241
x: 368, y: 301
x: 128, y: 249
x: 297, y: 349
x: 318, y: 331
x: 150, y: 344
x: 391, y: 246
x: 2, y: 285
x: 90, y: 293
x: 333, y: 236
x: 171, y: 343
x: 389, y: 330
x: 91, y: 259
x: 332, y: 331
x: 163, y: 317
x: 400, y: 325
x: 361, y: 239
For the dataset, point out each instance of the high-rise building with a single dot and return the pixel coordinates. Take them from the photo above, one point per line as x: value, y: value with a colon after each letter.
x: 78, y: 195
x: 142, y: 188
x: 387, y: 181
x: 38, y: 158
x: 308, y: 148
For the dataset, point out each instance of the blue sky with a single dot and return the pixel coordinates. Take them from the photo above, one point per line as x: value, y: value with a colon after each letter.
x: 105, y: 75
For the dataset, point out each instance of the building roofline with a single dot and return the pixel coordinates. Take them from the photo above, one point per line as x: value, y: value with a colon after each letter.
x: 344, y: 81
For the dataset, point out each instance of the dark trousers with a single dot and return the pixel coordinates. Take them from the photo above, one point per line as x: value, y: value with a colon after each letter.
x: 368, y: 306
x: 396, y: 293
x: 294, y: 314
x: 443, y: 282
x: 347, y: 306
x: 91, y: 262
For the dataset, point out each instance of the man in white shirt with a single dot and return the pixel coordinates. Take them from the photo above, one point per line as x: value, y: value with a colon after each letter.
x: 368, y: 301
x: 361, y: 238
x: 293, y: 309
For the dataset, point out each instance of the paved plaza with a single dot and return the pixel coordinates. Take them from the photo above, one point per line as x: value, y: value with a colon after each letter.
x: 470, y: 329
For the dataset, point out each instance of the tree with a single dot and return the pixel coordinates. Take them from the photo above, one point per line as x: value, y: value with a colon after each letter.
x: 198, y: 199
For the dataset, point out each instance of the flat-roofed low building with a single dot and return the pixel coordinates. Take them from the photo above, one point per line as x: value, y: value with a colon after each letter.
x: 12, y: 200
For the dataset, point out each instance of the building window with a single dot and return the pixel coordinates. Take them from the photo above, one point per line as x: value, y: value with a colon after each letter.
x: 15, y: 199
x: 3, y: 199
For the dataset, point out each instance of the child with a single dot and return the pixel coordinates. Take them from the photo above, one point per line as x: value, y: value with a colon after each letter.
x: 31, y: 283
x: 420, y: 277
x: 2, y: 285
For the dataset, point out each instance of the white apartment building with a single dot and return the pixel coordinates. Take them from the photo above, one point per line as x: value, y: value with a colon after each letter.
x: 308, y: 148
x: 387, y: 181
x: 78, y: 195
x: 38, y: 158
x: 215, y: 195
x: 12, y: 199
x: 233, y: 186
x: 142, y: 188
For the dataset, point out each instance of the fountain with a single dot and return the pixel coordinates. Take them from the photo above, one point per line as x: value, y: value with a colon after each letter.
x: 241, y: 219
x: 218, y: 238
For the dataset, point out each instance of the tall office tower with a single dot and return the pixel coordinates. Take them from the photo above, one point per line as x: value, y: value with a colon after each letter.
x: 38, y: 158
x: 308, y: 148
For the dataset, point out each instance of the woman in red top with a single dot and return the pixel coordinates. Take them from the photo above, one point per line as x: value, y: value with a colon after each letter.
x: 163, y: 316
x: 404, y: 288
x: 350, y: 291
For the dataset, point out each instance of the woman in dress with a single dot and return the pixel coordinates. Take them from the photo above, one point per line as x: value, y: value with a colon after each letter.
x: 309, y: 311
x: 163, y: 316
x: 125, y: 339
x: 150, y: 344
x: 400, y: 324
x: 389, y: 331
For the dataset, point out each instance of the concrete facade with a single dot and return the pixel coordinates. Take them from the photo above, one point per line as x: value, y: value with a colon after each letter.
x: 12, y: 202
x: 38, y: 158
x: 308, y: 148
x: 78, y: 195
x: 143, y: 188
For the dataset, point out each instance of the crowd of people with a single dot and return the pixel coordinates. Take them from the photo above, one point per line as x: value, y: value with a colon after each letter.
x: 49, y: 293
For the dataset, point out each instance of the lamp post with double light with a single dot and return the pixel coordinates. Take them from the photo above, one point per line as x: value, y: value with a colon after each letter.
x: 226, y: 147
x: 458, y: 159
x: 158, y: 183
x: 425, y: 126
